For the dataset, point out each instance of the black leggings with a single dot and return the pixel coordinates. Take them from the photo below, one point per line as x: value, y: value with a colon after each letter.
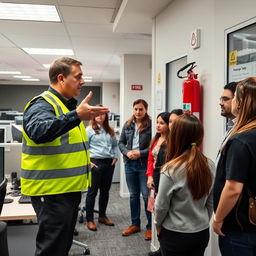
x: 183, y: 244
x: 101, y: 180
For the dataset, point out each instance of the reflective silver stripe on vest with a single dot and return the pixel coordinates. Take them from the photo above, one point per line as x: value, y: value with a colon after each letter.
x: 54, y: 101
x: 86, y: 143
x: 53, y: 150
x: 54, y: 174
x: 64, y: 137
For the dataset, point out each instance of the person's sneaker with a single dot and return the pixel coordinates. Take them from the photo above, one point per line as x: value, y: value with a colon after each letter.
x: 106, y: 221
x: 131, y: 230
x: 91, y: 225
x: 155, y: 253
x: 148, y: 234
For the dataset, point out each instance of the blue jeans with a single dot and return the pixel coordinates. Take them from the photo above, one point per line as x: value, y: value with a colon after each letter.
x: 238, y: 244
x: 135, y: 173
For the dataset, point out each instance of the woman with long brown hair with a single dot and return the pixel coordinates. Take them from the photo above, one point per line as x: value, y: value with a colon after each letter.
x: 103, y: 152
x: 184, y: 202
x: 236, y: 177
x: 134, y: 145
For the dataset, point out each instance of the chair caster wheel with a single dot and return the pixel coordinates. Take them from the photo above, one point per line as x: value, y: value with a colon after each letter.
x: 81, y: 219
x: 86, y: 251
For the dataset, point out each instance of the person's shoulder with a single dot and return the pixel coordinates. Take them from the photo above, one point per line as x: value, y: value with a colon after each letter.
x: 38, y: 103
x: 89, y: 129
x: 245, y: 137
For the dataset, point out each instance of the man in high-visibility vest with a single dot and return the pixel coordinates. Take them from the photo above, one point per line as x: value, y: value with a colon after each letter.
x: 55, y: 158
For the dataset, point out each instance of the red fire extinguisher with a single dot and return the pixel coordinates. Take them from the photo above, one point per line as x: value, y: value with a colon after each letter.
x: 191, y: 91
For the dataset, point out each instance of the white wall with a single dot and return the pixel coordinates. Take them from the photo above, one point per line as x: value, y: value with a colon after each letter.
x: 171, y: 39
x: 110, y: 96
x: 135, y: 69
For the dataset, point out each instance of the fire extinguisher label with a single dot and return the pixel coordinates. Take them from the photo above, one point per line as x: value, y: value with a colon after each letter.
x: 187, y: 107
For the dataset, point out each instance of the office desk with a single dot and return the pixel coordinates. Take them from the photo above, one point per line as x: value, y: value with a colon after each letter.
x: 21, y: 238
x: 15, y: 210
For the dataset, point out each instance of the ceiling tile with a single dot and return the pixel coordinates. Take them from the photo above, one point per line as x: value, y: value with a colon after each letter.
x: 41, y: 41
x: 90, y: 3
x: 31, y: 28
x: 86, y: 15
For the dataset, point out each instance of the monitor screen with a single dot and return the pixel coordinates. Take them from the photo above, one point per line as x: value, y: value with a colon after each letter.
x: 1, y: 164
x: 2, y: 135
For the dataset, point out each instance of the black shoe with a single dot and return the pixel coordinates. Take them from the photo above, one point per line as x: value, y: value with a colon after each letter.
x: 156, y: 253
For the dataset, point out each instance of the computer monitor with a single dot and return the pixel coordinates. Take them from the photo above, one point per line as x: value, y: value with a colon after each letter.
x: 2, y: 134
x: 8, y: 132
x: 16, y: 133
x: 1, y: 164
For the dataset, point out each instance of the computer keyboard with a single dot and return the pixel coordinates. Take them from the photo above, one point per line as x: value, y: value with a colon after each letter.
x: 25, y: 199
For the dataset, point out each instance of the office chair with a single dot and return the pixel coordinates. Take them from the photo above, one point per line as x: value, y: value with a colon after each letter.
x: 3, y: 225
x: 75, y: 242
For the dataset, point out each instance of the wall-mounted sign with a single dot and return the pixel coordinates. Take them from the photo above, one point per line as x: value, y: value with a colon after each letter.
x: 159, y: 78
x: 233, y: 58
x: 195, y: 39
x: 137, y: 87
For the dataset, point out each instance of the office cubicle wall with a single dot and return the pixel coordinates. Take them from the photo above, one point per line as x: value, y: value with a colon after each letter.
x: 16, y: 96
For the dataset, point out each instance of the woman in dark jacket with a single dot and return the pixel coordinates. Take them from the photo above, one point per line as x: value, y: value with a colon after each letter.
x: 133, y: 144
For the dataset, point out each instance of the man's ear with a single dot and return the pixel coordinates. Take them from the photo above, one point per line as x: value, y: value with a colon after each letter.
x: 60, y: 78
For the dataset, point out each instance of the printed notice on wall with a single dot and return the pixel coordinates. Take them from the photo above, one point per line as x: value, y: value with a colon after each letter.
x: 242, y: 71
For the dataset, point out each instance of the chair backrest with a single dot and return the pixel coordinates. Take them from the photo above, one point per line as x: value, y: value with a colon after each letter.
x: 2, y: 193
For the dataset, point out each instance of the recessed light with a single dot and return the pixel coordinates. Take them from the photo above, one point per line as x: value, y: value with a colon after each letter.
x: 10, y: 72
x: 88, y: 80
x: 47, y: 65
x: 87, y: 77
x: 35, y: 12
x: 31, y: 79
x: 49, y: 51
x: 22, y: 76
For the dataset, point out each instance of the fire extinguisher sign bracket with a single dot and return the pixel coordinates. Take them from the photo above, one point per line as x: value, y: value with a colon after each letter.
x: 187, y: 107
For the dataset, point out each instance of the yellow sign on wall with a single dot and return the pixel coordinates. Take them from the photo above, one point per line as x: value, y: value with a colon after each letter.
x: 233, y: 58
x: 159, y: 78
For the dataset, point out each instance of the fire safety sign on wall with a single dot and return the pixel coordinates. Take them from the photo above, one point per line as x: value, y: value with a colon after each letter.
x: 137, y: 87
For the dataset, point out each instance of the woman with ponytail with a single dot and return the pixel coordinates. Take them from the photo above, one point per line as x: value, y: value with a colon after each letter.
x: 184, y: 202
x: 236, y: 177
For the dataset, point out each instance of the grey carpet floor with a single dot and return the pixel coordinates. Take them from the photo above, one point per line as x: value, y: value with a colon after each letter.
x: 108, y: 241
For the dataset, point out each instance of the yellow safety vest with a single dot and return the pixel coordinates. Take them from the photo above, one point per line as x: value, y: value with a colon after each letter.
x: 59, y: 166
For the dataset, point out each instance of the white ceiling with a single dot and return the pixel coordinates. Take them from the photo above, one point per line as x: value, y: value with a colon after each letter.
x: 98, y: 31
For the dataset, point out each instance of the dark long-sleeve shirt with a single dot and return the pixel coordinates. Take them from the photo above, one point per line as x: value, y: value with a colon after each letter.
x: 42, y: 125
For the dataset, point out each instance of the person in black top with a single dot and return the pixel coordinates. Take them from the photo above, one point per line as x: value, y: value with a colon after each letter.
x: 236, y: 170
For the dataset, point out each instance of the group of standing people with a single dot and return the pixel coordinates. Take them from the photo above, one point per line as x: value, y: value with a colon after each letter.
x: 60, y: 158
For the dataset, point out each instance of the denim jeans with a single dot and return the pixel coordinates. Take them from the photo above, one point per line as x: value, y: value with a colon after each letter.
x: 238, y: 243
x: 135, y: 173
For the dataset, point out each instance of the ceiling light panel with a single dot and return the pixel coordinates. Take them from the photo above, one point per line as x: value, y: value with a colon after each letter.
x: 48, y: 51
x: 31, y: 79
x: 22, y: 77
x: 10, y: 72
x: 33, y: 12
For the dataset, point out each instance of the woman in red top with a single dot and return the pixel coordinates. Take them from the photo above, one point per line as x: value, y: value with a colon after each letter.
x: 158, y: 143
